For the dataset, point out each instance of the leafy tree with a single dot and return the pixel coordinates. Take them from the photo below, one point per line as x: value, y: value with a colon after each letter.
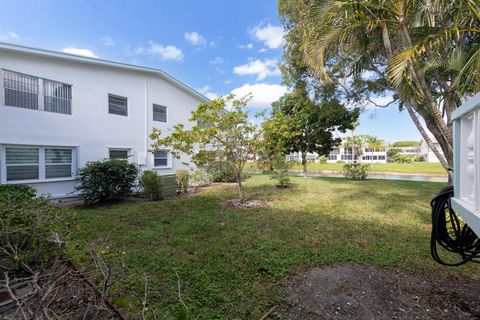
x: 405, y: 144
x: 217, y: 135
x: 426, y: 53
x: 310, y: 124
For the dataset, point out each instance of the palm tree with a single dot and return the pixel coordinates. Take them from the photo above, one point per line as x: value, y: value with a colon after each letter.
x: 427, y: 52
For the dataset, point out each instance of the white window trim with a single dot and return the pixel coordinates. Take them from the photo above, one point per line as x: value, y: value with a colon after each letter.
x: 41, y: 163
x: 129, y: 152
x: 169, y: 160
x: 41, y: 94
x: 166, y: 111
x: 118, y: 96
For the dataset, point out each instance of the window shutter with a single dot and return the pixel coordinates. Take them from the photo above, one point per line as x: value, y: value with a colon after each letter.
x: 22, y: 163
x: 117, y: 105
x: 159, y: 113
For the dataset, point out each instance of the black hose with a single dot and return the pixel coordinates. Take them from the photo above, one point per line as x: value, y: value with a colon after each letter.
x: 450, y: 232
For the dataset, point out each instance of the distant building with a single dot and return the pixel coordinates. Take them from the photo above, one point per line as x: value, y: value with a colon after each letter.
x: 427, y: 153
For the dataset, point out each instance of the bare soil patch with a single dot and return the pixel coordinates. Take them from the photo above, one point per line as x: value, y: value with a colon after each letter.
x: 247, y: 204
x: 356, y: 291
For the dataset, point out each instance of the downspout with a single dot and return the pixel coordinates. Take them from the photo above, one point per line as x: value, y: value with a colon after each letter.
x: 145, y: 153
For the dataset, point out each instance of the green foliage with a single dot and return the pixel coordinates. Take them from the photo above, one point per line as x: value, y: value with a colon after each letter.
x: 151, y: 185
x: 394, y: 156
x: 217, y: 136
x: 279, y: 171
x: 16, y: 193
x: 282, y: 177
x: 356, y: 170
x: 322, y: 160
x: 200, y: 178
x: 183, y: 177
x: 220, y: 171
x: 106, y: 180
x: 404, y: 144
x: 28, y: 229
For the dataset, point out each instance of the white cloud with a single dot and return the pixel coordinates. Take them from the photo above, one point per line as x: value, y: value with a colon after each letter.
x: 80, y: 52
x: 167, y: 52
x: 262, y: 50
x: 246, y: 46
x: 217, y: 60
x: 196, y: 39
x: 271, y: 36
x: 260, y: 68
x: 108, y: 41
x: 205, y: 90
x: 13, y: 35
x: 263, y: 94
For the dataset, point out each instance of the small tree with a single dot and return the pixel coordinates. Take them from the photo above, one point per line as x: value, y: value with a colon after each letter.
x: 218, y: 135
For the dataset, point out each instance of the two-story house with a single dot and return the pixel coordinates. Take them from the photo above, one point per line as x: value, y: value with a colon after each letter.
x: 59, y: 111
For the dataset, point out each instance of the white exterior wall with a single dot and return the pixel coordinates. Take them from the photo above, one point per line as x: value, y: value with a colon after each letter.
x: 90, y: 128
x: 427, y: 153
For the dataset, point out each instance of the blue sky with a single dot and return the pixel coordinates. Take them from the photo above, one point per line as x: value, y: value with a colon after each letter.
x: 215, y: 46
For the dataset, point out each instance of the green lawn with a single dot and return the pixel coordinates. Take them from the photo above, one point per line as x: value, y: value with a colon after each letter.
x: 414, y: 167
x: 231, y: 263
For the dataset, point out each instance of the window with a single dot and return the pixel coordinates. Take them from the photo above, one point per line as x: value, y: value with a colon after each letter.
x: 58, y: 163
x: 20, y: 90
x: 118, y: 154
x: 335, y: 151
x: 22, y: 163
x: 160, y: 158
x: 57, y: 97
x: 381, y: 157
x: 117, y: 105
x: 38, y: 163
x: 332, y: 157
x: 159, y: 113
x: 346, y: 157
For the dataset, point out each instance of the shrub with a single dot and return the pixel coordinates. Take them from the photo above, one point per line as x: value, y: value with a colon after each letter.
x: 223, y: 172
x: 322, y: 160
x: 151, y: 185
x: 104, y: 180
x: 282, y: 178
x: 356, y: 170
x: 199, y: 178
x: 16, y: 193
x: 183, y: 177
x: 28, y: 236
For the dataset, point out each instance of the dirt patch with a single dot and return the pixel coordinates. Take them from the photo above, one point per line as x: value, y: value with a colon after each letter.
x: 247, y: 204
x: 73, y: 298
x: 353, y: 291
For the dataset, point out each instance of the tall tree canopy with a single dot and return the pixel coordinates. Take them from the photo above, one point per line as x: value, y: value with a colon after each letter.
x: 427, y: 53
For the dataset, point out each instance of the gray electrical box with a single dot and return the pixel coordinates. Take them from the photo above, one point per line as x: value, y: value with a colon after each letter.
x: 466, y: 135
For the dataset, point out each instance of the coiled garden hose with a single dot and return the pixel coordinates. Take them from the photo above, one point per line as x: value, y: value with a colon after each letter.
x: 450, y: 232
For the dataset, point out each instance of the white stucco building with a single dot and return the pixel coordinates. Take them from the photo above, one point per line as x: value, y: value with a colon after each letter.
x: 427, y: 153
x: 59, y: 111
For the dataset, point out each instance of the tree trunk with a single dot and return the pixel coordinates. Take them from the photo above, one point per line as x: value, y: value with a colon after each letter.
x: 241, y: 193
x: 304, y: 163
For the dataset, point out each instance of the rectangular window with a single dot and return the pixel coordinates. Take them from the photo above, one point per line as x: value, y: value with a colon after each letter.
x: 159, y: 113
x: 22, y: 163
x: 161, y: 158
x: 381, y: 157
x: 117, y: 105
x: 347, y: 157
x: 118, y: 154
x: 58, y: 163
x: 332, y: 157
x: 20, y: 90
x: 57, y: 97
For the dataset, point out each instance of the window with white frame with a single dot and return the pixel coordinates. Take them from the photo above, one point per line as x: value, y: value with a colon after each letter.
x: 117, y: 105
x: 24, y: 91
x: 160, y: 158
x: 118, y: 154
x: 159, y: 113
x: 58, y: 163
x: 38, y: 163
x: 57, y: 97
x: 332, y: 157
x: 22, y: 164
x: 20, y: 90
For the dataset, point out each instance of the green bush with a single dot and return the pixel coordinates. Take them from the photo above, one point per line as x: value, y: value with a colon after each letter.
x: 282, y: 178
x: 16, y: 193
x: 28, y: 232
x: 223, y: 172
x: 105, y: 180
x: 356, y: 170
x: 183, y: 177
x: 322, y: 160
x: 151, y: 185
x: 200, y: 178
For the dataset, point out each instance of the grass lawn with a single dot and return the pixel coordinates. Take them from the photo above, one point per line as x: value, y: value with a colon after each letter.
x: 414, y: 167
x: 232, y: 263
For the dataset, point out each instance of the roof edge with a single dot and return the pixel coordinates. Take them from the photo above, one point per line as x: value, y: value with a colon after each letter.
x: 97, y: 61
